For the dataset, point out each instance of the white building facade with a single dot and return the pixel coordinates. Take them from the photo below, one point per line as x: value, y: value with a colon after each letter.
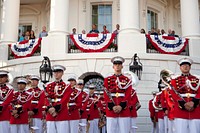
x: 60, y: 16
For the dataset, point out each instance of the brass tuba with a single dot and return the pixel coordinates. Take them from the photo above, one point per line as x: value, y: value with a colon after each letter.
x: 133, y: 77
x: 165, y: 76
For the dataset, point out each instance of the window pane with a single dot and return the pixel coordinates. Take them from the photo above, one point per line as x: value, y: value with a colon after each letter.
x: 152, y: 19
x: 103, y: 16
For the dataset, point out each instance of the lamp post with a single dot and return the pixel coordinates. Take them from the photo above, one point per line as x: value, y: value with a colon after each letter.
x: 136, y: 66
x: 45, y: 70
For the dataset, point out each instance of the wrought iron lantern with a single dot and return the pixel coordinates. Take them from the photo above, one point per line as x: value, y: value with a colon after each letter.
x: 136, y: 66
x: 45, y: 70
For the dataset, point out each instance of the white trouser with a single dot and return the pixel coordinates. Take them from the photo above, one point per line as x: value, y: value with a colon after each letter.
x: 82, y: 125
x: 57, y: 126
x: 103, y: 129
x: 94, y: 126
x: 19, y: 128
x: 187, y: 126
x: 155, y: 129
x: 161, y: 125
x: 38, y: 123
x: 165, y: 124
x: 133, y: 125
x: 171, y: 126
x: 4, y: 127
x: 118, y: 125
x: 73, y: 126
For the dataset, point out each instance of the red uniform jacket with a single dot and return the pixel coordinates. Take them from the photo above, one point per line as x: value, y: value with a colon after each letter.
x: 102, y: 105
x: 6, y: 95
x: 157, y: 102
x: 37, y: 102
x: 74, y: 104
x: 58, y: 94
x: 20, y: 100
x: 188, y: 87
x: 133, y: 103
x: 92, y: 107
x: 153, y: 111
x: 168, y: 103
x: 85, y: 98
x: 119, y: 88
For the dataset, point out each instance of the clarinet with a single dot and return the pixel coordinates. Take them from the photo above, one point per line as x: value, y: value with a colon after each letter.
x: 109, y: 95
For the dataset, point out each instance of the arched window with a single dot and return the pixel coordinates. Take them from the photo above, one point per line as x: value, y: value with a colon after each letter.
x: 93, y: 78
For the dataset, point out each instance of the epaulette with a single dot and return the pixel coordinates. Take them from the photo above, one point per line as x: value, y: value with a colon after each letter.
x: 175, y: 76
x: 158, y: 93
x: 15, y: 92
x: 48, y: 83
x: 197, y: 76
x: 28, y: 92
x: 66, y: 82
x: 9, y: 86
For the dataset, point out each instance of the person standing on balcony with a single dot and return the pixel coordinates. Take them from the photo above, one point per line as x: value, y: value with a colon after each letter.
x: 36, y: 111
x: 186, y: 95
x: 105, y: 31
x: 27, y: 35
x: 32, y: 35
x: 117, y: 29
x: 117, y: 94
x: 58, y: 93
x: 83, y: 32
x: 6, y: 94
x: 74, y: 31
x: 94, y: 29
x: 43, y: 33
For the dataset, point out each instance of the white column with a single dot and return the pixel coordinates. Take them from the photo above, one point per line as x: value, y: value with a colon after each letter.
x: 10, y: 21
x: 190, y: 18
x: 59, y: 17
x: 129, y: 16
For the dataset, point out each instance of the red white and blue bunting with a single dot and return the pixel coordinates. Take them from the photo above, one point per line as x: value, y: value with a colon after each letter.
x: 92, y: 42
x: 25, y: 48
x: 168, y: 44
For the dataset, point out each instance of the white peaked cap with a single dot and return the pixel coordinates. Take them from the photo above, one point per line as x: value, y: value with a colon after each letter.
x: 71, y: 77
x: 117, y: 59
x: 80, y: 81
x: 22, y: 80
x: 34, y: 77
x: 3, y: 72
x: 58, y: 68
x: 91, y: 86
x: 185, y: 61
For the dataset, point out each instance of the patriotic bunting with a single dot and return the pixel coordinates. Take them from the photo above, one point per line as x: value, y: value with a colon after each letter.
x: 92, y: 42
x: 25, y: 48
x: 168, y: 44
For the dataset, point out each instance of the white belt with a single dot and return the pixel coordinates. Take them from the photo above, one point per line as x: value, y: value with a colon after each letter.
x: 117, y: 94
x: 188, y: 95
x: 56, y: 100
x: 34, y: 102
x: 1, y: 102
x: 18, y: 106
x: 156, y: 110
x: 71, y: 104
x: 87, y: 109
